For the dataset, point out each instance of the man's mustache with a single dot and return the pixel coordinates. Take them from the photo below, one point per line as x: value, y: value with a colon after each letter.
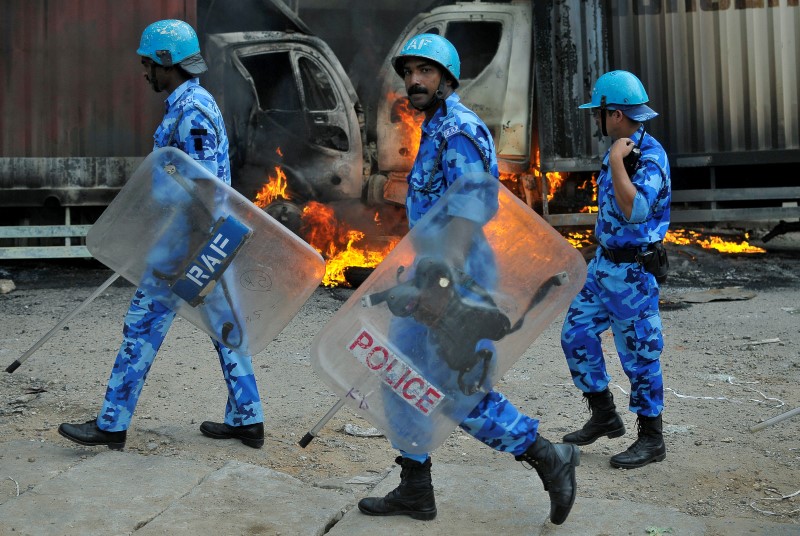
x: 414, y: 90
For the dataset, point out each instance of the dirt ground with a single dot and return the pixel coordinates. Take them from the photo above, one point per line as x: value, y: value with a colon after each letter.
x: 732, y: 360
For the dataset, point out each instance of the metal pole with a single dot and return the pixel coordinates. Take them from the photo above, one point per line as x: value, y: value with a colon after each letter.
x: 15, y: 365
x: 313, y: 432
x: 775, y: 420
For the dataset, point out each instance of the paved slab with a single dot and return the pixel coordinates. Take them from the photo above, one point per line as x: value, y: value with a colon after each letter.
x: 68, y: 492
x: 110, y: 492
x: 474, y: 500
x: 247, y: 499
x: 478, y: 500
x: 25, y: 464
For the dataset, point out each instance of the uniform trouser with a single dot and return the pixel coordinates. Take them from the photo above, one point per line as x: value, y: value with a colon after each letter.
x: 623, y: 297
x: 494, y: 421
x: 145, y: 327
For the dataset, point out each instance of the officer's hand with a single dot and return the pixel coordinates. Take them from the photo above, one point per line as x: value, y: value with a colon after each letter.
x: 620, y: 149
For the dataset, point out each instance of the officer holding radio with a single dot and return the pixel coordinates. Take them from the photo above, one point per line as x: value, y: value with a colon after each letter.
x: 622, y: 285
x: 170, y: 56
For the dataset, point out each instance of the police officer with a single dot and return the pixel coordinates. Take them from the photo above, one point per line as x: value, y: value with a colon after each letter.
x: 455, y: 142
x: 621, y: 289
x: 170, y: 55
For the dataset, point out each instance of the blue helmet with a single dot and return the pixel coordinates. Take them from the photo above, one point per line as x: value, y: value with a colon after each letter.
x: 172, y: 42
x: 433, y: 47
x: 621, y: 90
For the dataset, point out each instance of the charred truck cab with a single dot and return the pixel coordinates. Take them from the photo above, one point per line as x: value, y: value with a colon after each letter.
x: 69, y: 147
x: 727, y: 97
x: 287, y: 103
x: 515, y: 76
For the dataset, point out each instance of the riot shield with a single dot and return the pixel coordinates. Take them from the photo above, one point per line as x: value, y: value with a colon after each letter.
x: 427, y: 335
x: 205, y: 251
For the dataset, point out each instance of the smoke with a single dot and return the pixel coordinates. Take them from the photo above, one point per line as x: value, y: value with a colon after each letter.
x: 362, y: 39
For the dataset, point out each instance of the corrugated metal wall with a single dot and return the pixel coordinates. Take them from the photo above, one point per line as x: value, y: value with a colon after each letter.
x: 723, y: 73
x: 72, y: 84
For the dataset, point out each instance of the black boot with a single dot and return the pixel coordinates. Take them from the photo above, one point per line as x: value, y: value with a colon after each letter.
x: 89, y: 434
x: 556, y: 467
x: 648, y: 448
x: 413, y: 497
x: 605, y: 421
x: 251, y: 435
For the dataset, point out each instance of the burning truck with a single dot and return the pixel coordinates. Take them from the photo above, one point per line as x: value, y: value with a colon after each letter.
x: 723, y: 74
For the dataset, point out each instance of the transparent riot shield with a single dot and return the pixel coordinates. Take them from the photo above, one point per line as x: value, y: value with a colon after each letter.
x: 205, y: 251
x: 450, y: 309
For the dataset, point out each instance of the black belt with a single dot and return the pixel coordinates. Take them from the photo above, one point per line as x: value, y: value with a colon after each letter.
x: 622, y: 255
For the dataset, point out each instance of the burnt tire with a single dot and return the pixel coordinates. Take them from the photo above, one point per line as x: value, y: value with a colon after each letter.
x: 287, y: 213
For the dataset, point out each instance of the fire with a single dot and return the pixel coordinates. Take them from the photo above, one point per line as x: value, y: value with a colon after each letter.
x: 590, y: 183
x: 408, y: 117
x: 685, y: 236
x: 579, y: 239
x: 275, y: 188
x: 336, y: 242
x: 681, y: 237
x: 340, y: 245
x: 554, y: 182
x: 678, y: 236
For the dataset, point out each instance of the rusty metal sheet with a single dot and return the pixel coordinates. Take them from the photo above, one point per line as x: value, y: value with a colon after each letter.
x: 72, y: 84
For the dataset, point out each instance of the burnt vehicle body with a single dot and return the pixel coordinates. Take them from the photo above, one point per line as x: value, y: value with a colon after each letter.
x: 68, y: 146
x: 723, y: 75
x: 287, y: 102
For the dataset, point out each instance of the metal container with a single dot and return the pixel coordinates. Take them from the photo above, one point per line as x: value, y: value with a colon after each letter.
x: 75, y: 112
x: 723, y: 75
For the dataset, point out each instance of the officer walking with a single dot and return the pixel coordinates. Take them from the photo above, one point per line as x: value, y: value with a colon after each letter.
x: 455, y: 142
x: 170, y: 55
x: 621, y: 290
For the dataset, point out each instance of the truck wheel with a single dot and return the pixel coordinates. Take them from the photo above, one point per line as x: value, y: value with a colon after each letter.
x: 375, y: 185
x: 287, y: 213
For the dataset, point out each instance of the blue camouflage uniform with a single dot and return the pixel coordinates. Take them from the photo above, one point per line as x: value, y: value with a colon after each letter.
x: 494, y: 420
x: 193, y: 123
x: 623, y: 296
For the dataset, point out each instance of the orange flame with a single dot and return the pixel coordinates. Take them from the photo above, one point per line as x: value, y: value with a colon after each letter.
x: 681, y: 237
x: 274, y: 189
x: 408, y: 118
x: 330, y: 237
x: 554, y: 182
x: 579, y: 239
x: 339, y: 244
x: 590, y: 183
x: 685, y: 237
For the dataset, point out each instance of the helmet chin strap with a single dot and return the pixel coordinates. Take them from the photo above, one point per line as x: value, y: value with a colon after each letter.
x: 603, y: 115
x: 154, y: 80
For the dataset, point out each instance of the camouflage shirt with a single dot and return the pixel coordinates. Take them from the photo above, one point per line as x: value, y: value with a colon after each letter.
x: 432, y: 174
x: 649, y: 218
x: 193, y: 123
x: 426, y: 185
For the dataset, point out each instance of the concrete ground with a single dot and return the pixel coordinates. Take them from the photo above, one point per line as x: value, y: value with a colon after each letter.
x: 95, y: 491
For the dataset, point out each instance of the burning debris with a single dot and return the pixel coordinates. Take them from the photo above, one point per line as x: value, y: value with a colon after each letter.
x: 711, y: 241
x: 408, y: 120
x: 681, y: 237
x: 273, y: 189
x: 343, y: 245
x: 351, y: 250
